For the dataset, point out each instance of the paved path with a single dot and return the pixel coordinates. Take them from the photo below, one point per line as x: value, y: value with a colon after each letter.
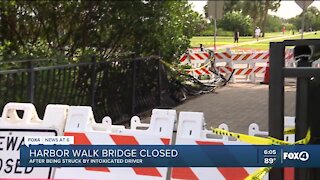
x: 238, y: 105
x: 255, y: 41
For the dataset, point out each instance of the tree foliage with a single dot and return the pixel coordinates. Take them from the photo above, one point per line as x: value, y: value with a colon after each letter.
x: 256, y: 9
x: 274, y: 24
x: 232, y: 21
x: 312, y: 19
x: 104, y: 28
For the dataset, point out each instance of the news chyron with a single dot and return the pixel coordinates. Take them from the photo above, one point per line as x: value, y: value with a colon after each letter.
x: 24, y: 155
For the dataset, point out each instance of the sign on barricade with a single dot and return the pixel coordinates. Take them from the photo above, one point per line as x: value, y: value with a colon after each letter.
x: 14, y: 128
x: 81, y: 125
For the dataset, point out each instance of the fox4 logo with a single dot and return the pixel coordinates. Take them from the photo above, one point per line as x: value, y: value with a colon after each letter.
x: 302, y: 156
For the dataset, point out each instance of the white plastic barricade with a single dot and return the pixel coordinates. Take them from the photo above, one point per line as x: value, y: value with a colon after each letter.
x: 81, y: 125
x: 260, y: 61
x: 248, y: 66
x: 191, y: 131
x: 201, y: 71
x: 14, y: 128
x: 195, y: 58
x: 316, y: 63
x: 242, y: 64
x: 200, y: 65
x: 289, y: 122
x: 289, y: 58
x: 223, y: 63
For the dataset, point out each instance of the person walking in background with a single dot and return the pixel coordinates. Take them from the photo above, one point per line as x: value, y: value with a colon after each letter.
x: 257, y: 33
x: 283, y: 30
x: 236, y: 36
x: 201, y: 47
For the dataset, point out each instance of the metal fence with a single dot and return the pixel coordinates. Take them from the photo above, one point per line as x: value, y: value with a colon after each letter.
x: 119, y: 88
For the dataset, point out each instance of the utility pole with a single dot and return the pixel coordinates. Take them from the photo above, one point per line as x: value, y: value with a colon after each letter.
x: 303, y: 18
x: 303, y: 5
x: 215, y: 34
x: 215, y: 12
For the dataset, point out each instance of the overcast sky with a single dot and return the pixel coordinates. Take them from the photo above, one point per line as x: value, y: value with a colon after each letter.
x: 288, y: 9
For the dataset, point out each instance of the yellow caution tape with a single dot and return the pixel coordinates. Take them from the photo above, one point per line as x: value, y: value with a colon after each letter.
x: 306, y: 139
x: 260, y: 140
x: 167, y: 64
x: 289, y: 131
x: 204, y: 66
x: 243, y: 137
x: 259, y: 174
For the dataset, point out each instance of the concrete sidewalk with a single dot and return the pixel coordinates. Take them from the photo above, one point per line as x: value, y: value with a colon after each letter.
x: 238, y: 105
x: 255, y: 41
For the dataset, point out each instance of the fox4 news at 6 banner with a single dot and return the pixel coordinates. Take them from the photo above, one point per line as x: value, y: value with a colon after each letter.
x: 169, y: 156
x: 59, y: 151
x: 42, y: 153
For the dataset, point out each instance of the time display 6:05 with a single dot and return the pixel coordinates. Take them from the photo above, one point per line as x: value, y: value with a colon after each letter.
x: 270, y: 152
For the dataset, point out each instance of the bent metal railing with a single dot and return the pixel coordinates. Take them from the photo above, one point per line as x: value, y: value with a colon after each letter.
x: 118, y: 88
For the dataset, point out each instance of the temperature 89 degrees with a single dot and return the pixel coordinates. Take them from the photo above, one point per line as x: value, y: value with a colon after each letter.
x: 269, y: 160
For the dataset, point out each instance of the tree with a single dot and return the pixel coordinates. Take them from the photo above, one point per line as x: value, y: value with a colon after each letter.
x: 236, y: 20
x: 256, y: 9
x: 229, y: 6
x: 312, y: 19
x: 274, y: 24
x: 104, y: 28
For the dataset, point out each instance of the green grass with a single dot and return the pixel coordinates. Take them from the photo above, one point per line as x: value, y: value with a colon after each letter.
x: 263, y: 44
x: 276, y: 34
x: 209, y: 40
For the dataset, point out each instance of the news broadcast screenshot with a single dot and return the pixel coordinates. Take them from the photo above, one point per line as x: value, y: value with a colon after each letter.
x: 160, y: 90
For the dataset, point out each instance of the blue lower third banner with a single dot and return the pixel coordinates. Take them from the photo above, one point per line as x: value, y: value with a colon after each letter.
x: 169, y: 156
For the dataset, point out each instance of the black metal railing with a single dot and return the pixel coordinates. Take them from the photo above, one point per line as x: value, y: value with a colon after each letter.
x: 307, y: 97
x: 119, y: 88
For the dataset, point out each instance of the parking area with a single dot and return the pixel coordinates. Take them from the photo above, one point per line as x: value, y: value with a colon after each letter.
x: 238, y: 105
